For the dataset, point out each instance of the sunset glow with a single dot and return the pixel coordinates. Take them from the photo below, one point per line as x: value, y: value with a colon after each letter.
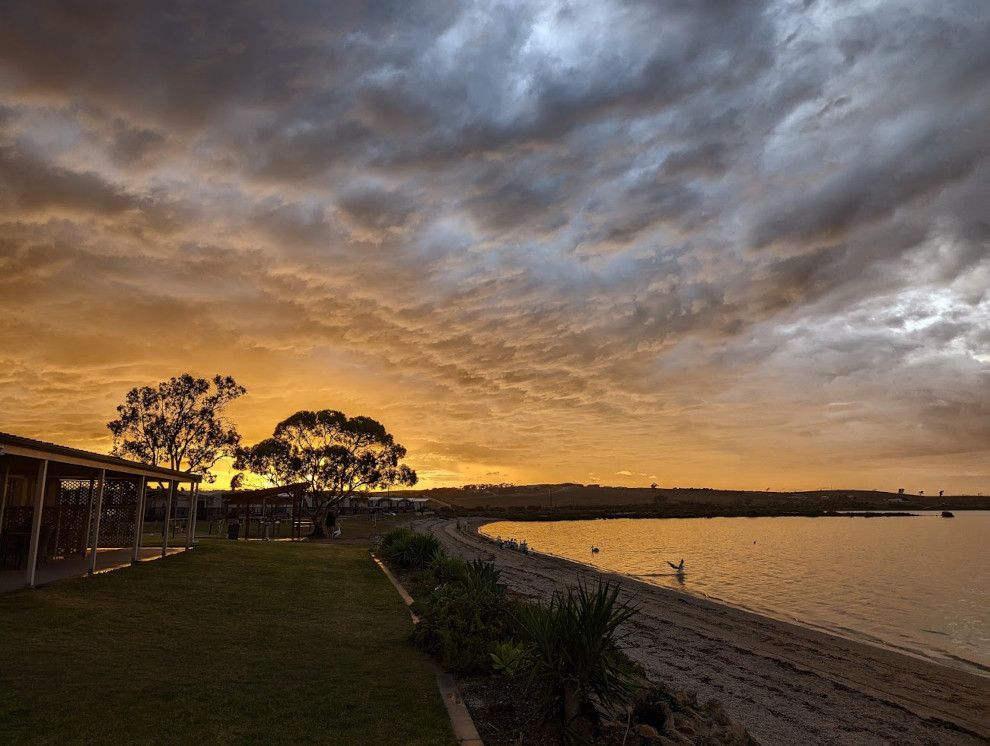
x: 730, y: 244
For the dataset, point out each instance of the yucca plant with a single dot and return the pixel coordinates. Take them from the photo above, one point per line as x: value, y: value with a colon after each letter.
x: 576, y: 663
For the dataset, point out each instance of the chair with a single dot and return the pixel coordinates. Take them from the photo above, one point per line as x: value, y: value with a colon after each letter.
x: 44, y: 545
x: 13, y: 546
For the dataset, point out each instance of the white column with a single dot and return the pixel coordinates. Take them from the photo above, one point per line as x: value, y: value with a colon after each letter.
x: 168, y: 516
x: 139, y: 519
x: 96, y: 522
x: 39, y: 506
x: 89, y: 516
x: 193, y: 505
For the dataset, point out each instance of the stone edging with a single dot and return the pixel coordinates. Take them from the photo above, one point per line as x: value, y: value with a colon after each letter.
x: 464, y: 730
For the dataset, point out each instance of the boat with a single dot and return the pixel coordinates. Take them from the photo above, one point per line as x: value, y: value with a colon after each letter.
x: 947, y: 514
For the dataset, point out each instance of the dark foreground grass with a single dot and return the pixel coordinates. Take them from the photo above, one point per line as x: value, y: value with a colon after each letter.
x: 234, y: 642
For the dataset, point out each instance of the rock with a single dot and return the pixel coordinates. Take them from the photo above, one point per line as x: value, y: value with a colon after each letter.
x: 646, y: 731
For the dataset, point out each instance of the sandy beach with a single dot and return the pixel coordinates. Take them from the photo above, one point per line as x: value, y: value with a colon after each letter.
x: 786, y: 684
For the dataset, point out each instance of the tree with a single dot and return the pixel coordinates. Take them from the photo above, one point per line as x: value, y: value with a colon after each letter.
x: 179, y: 425
x: 271, y: 459
x: 334, y: 454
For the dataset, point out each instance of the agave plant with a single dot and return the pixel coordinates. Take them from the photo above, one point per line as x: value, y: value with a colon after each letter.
x: 509, y: 657
x: 483, y: 577
x: 573, y: 646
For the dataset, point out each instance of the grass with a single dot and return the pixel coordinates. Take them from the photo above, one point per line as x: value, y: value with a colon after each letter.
x: 234, y: 642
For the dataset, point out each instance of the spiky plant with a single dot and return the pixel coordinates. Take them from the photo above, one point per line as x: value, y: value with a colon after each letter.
x: 573, y: 645
x: 483, y: 577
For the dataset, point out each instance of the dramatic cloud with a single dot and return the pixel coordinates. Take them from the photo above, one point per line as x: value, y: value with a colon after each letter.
x: 738, y: 244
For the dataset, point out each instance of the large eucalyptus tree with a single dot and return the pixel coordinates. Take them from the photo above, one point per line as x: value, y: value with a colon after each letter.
x: 335, y: 455
x: 180, y: 424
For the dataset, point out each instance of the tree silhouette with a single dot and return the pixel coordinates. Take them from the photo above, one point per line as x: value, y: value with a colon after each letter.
x: 334, y: 454
x: 271, y: 459
x: 179, y: 425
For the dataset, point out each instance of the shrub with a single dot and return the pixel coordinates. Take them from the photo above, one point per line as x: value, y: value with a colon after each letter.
x: 392, y: 537
x: 448, y: 569
x: 410, y: 549
x: 574, y: 647
x: 462, y: 629
x: 468, y: 616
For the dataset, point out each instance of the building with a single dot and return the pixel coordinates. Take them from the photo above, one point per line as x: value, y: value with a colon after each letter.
x: 57, y: 501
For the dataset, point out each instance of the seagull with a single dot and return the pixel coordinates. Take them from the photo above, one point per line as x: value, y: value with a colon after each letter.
x: 679, y: 568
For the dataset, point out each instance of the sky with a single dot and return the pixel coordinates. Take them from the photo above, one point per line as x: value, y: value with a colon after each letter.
x: 706, y: 243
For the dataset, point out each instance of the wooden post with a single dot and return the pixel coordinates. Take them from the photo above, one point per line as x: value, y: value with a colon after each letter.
x: 39, y: 506
x: 168, y: 516
x: 139, y: 520
x: 96, y: 522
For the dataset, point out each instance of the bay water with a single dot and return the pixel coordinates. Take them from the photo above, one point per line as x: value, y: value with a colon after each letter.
x: 918, y: 584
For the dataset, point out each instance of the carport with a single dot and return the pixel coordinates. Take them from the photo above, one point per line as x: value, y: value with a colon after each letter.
x: 57, y: 502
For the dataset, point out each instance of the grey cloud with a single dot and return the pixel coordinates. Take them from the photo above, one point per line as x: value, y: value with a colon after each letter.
x: 132, y: 144
x: 184, y: 62
x: 705, y: 221
x: 32, y: 184
x: 377, y: 209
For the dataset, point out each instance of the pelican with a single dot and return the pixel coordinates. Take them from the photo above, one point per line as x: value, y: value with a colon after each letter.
x: 594, y: 549
x: 679, y: 568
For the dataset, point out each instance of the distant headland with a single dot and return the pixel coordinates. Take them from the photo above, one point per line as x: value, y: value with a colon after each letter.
x: 575, y: 501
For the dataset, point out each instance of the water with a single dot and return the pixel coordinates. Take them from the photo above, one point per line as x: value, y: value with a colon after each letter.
x: 918, y: 584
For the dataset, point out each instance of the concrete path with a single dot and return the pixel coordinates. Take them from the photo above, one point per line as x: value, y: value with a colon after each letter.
x: 69, y: 567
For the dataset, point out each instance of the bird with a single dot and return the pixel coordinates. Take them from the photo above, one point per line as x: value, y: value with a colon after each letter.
x: 594, y: 549
x: 679, y: 568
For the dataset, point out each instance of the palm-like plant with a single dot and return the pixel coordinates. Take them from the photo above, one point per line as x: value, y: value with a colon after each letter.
x: 574, y: 647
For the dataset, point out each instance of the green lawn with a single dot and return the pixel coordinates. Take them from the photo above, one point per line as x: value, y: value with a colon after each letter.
x: 234, y: 642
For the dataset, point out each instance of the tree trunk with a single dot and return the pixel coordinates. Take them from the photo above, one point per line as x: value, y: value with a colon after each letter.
x: 318, y: 531
x: 577, y: 729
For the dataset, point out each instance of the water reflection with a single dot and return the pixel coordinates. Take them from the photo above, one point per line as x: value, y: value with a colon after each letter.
x: 921, y: 584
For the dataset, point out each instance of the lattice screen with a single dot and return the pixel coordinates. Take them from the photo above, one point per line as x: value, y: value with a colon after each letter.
x: 73, y: 513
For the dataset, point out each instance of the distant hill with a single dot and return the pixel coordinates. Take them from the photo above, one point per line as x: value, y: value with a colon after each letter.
x: 561, y: 497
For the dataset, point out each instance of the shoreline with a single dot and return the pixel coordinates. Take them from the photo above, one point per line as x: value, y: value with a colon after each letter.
x: 960, y: 664
x: 964, y: 653
x: 784, y: 682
